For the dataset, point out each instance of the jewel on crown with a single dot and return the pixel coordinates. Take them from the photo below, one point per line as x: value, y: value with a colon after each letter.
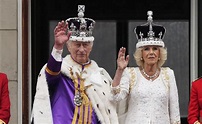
x: 80, y: 26
x: 149, y: 33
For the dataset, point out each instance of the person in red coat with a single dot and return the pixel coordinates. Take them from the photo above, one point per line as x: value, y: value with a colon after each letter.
x: 4, y: 99
x: 195, y: 103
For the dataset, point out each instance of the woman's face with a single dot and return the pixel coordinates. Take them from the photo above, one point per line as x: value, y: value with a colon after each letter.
x: 150, y: 54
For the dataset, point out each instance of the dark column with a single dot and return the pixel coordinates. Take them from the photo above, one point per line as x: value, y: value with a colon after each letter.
x: 199, y: 38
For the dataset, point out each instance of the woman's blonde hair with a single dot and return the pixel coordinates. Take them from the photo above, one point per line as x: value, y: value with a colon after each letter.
x: 139, y: 61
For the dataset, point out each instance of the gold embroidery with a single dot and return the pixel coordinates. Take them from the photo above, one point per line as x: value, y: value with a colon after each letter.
x: 132, y: 81
x: 166, y: 77
x: 116, y: 91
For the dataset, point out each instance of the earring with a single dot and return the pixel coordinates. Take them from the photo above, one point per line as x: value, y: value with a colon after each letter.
x: 159, y: 58
x: 141, y: 59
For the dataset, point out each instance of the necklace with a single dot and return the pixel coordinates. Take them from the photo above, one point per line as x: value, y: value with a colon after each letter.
x: 148, y: 76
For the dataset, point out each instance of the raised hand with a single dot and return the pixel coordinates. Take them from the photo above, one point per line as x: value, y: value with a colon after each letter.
x: 122, y: 60
x: 122, y: 63
x: 61, y: 35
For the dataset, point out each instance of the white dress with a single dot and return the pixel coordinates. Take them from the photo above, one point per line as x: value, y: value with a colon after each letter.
x: 150, y: 102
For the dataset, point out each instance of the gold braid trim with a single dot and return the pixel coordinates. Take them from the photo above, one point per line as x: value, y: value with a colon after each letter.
x: 83, y: 97
x: 90, y: 114
x: 80, y: 121
x: 86, y: 114
x: 76, y: 107
x: 75, y: 115
x: 86, y: 104
x: 51, y: 72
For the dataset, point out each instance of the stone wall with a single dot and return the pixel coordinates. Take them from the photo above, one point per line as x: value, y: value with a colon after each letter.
x: 8, y: 51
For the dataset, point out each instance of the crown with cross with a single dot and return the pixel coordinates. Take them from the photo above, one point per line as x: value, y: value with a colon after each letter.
x: 81, y: 28
x: 150, y: 33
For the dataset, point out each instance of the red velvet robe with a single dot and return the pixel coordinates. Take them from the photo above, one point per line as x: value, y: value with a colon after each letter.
x: 195, y: 104
x: 4, y: 99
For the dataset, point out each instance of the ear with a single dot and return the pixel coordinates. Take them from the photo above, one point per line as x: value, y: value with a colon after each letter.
x: 91, y: 48
x: 68, y: 46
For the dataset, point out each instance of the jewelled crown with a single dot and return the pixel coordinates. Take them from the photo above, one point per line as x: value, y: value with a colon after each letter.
x: 81, y: 28
x: 150, y: 33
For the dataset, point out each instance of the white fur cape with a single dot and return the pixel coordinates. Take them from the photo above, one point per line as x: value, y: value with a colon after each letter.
x: 98, y: 93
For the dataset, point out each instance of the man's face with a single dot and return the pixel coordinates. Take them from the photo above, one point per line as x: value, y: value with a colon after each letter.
x: 80, y: 51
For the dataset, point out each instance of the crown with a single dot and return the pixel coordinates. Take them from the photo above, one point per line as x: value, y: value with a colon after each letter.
x: 81, y: 28
x: 150, y: 33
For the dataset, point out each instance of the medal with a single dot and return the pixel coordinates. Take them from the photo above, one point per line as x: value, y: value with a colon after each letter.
x: 78, y: 99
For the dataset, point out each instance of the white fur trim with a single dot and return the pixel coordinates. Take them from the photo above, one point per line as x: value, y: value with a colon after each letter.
x: 83, y: 39
x: 148, y: 43
x: 41, y: 110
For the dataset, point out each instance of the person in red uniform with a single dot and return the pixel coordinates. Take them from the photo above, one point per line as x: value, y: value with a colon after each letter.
x: 195, y: 103
x: 4, y: 99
